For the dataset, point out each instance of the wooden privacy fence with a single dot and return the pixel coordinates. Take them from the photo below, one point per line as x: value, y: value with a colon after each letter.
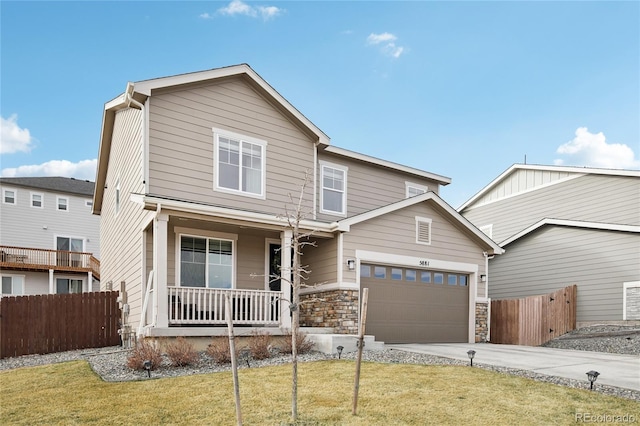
x: 534, y: 320
x: 58, y: 322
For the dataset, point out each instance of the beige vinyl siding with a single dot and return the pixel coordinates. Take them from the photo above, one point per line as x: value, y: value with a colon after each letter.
x: 24, y: 226
x: 596, y: 198
x: 181, y: 147
x: 322, y: 261
x: 369, y: 186
x: 523, y: 180
x: 395, y: 233
x: 553, y: 257
x: 121, y: 234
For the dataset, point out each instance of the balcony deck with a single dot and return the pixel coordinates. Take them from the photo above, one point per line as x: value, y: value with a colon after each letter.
x: 34, y: 259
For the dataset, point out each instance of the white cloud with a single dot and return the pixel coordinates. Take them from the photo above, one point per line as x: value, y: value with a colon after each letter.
x: 205, y: 16
x: 237, y: 7
x: 12, y: 138
x: 381, y: 38
x: 85, y: 169
x: 387, y: 44
x: 592, y: 150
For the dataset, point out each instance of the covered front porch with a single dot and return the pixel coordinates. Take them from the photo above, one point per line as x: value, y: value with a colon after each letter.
x: 194, y: 262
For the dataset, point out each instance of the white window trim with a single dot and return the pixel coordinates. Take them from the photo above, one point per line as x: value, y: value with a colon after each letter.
x: 242, y: 138
x: 199, y: 233
x: 420, y: 220
x: 345, y: 170
x: 625, y: 286
x: 408, y: 185
x: 83, y: 287
x: 31, y: 194
x: 4, y: 196
x: 24, y: 281
x: 487, y: 230
x: 58, y: 204
x: 70, y: 237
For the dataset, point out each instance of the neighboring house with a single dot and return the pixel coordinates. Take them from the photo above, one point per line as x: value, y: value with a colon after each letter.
x: 561, y: 226
x: 194, y: 173
x: 49, y: 240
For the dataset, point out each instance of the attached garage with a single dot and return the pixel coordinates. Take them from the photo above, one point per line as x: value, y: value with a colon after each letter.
x: 409, y: 305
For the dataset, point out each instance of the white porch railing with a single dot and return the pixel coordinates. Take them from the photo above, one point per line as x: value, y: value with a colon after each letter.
x: 206, y: 306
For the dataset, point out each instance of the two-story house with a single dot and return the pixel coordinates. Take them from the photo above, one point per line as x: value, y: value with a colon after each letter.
x: 49, y: 240
x: 561, y: 226
x: 194, y: 173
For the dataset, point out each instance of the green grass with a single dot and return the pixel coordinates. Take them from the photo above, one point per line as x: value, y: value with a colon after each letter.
x: 390, y: 394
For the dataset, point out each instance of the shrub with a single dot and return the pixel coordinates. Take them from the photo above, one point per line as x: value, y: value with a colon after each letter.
x: 303, y: 344
x: 181, y: 352
x: 220, y: 351
x: 260, y: 344
x: 145, y: 350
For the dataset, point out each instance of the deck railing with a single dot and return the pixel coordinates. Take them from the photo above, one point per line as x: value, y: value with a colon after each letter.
x: 42, y: 259
x: 206, y: 306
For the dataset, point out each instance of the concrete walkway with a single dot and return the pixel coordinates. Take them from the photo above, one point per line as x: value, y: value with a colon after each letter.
x: 615, y: 370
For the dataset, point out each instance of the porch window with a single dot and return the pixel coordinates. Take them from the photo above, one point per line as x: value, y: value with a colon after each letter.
x: 68, y: 286
x: 334, y: 189
x: 240, y: 163
x: 12, y: 285
x: 206, y: 262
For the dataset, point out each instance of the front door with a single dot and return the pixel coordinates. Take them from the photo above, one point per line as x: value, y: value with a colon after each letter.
x: 274, y: 267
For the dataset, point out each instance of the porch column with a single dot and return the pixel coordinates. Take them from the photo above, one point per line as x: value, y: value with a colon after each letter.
x: 160, y: 293
x: 52, y: 284
x: 89, y: 282
x: 285, y: 275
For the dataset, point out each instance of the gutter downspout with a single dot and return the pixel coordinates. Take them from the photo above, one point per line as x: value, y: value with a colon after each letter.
x: 315, y: 179
x: 486, y: 292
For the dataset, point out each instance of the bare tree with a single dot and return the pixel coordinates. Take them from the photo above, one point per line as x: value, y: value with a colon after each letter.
x: 296, y: 275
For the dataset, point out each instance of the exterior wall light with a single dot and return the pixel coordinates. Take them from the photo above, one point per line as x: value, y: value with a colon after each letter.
x: 351, y: 264
x: 471, y: 354
x: 483, y: 278
x: 592, y: 376
x: 339, y: 349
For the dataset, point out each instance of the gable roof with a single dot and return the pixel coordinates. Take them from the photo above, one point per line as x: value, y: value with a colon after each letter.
x: 571, y: 223
x: 444, y: 208
x: 570, y: 170
x: 442, y: 180
x: 55, y: 184
x: 137, y: 93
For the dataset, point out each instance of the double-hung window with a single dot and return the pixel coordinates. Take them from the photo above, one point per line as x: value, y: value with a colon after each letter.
x: 36, y: 200
x: 8, y: 196
x: 333, y: 197
x: 63, y: 203
x: 240, y: 164
x: 206, y: 262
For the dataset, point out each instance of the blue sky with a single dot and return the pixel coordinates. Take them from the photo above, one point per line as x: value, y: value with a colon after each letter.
x: 461, y: 89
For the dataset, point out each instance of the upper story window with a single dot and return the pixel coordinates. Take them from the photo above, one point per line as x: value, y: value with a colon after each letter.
x: 333, y: 196
x: 413, y: 189
x: 240, y: 163
x: 8, y: 196
x: 63, y: 203
x: 36, y: 200
x: 423, y: 230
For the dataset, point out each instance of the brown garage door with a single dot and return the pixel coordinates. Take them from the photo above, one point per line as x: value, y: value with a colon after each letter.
x: 416, y: 306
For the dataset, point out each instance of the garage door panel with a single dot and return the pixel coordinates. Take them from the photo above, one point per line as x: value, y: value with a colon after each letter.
x: 415, y: 312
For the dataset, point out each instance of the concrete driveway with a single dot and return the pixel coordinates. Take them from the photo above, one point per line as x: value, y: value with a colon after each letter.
x: 615, y: 370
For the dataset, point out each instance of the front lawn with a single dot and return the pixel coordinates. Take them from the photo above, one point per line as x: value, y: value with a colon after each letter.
x: 390, y: 394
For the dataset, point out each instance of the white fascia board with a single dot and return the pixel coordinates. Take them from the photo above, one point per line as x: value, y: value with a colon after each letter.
x: 567, y: 169
x: 442, y: 180
x: 227, y: 213
x: 145, y: 87
x: 574, y: 224
x: 345, y: 224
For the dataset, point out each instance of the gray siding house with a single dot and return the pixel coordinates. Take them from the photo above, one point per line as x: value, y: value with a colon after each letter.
x: 561, y: 226
x: 49, y: 240
x: 194, y: 174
